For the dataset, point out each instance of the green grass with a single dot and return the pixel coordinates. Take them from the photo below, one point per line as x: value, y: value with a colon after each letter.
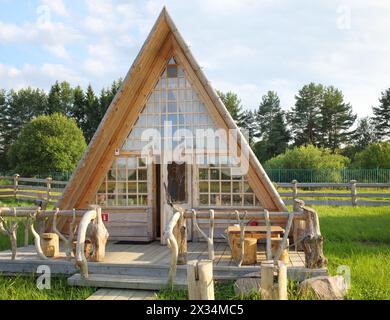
x: 24, y: 288
x: 355, y: 237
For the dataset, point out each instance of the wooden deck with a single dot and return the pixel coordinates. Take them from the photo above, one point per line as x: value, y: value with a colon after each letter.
x: 152, y: 254
x: 115, y: 294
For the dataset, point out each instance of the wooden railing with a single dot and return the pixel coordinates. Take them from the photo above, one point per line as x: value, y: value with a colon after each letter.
x: 90, y: 227
x: 303, y: 222
x: 327, y: 197
x: 31, y: 189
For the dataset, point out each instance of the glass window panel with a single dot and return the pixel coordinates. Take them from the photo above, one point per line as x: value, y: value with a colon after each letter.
x: 132, y: 187
x: 215, y: 199
x: 180, y: 72
x: 142, y: 175
x: 172, y: 95
x: 226, y: 200
x: 204, y: 199
x: 214, y: 174
x: 226, y: 187
x: 248, y: 200
x: 188, y: 95
x: 143, y: 200
x: 236, y: 187
x: 203, y: 186
x: 142, y: 187
x: 172, y: 83
x: 182, y: 83
x: 101, y: 199
x: 247, y: 187
x: 225, y: 174
x: 214, y: 186
x: 120, y: 187
x: 111, y: 200
x: 172, y: 107
x: 237, y: 200
x: 173, y: 119
x: 141, y: 162
x: 122, y: 200
x: 131, y: 174
x: 132, y: 200
x: 203, y: 174
x: 172, y: 71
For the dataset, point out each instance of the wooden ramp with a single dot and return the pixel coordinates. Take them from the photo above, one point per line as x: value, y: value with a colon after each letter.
x: 115, y: 294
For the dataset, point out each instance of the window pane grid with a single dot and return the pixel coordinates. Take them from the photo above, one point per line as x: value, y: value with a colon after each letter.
x: 125, y: 183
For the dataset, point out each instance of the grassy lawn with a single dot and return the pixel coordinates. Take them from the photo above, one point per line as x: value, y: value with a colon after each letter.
x: 356, y: 237
x: 24, y: 288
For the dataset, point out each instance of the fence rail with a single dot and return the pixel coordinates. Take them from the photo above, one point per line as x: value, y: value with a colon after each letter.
x: 306, y: 191
x: 329, y: 175
x: 31, y: 189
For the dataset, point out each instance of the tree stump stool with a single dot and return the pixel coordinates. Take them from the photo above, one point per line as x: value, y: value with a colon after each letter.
x: 274, y: 247
x: 50, y: 244
x: 250, y: 250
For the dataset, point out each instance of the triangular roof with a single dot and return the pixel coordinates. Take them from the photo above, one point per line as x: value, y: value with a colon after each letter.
x: 163, y: 41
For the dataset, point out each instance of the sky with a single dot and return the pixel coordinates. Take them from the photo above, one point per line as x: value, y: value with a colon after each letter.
x: 244, y: 46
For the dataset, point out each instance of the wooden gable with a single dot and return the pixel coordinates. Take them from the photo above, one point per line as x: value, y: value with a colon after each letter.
x: 163, y: 42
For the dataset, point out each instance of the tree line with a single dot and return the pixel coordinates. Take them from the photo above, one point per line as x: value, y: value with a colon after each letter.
x: 19, y: 107
x: 320, y: 117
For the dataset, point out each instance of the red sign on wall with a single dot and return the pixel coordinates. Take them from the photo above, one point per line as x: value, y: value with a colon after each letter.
x: 105, y: 216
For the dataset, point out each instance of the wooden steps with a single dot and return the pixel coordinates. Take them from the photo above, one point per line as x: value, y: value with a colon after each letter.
x: 117, y: 294
x: 122, y: 282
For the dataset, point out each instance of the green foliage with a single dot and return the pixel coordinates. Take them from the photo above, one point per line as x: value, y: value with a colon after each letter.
x: 24, y: 288
x: 271, y: 128
x: 381, y: 117
x: 336, y: 119
x: 304, y: 117
x: 46, y: 144
x: 233, y: 104
x: 308, y: 157
x: 321, y: 117
x: 376, y: 155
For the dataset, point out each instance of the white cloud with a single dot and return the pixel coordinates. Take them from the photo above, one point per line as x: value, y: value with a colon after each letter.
x: 57, y: 6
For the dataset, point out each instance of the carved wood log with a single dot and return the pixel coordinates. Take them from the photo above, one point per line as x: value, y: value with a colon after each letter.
x: 92, y: 227
x: 181, y: 236
x: 313, y: 241
x: 200, y: 280
x: 170, y: 238
x: 284, y: 242
x: 10, y: 229
x: 37, y: 238
x: 209, y: 238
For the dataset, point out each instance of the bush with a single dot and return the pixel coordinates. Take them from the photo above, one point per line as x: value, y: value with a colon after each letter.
x: 307, y: 157
x: 47, y: 144
x: 375, y: 156
x: 321, y: 162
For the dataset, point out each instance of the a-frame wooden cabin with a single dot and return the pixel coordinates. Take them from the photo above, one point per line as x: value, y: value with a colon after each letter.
x: 165, y: 85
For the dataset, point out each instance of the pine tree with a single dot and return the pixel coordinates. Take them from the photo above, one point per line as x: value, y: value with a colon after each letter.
x: 336, y: 119
x: 78, y: 109
x: 271, y: 127
x: 233, y: 105
x: 305, y: 117
x: 54, y: 99
x: 248, y: 125
x: 381, y: 119
x: 92, y: 112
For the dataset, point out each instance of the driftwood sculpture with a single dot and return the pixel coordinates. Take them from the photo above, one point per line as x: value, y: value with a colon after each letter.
x: 209, y: 238
x: 91, y: 227
x: 313, y: 241
x: 9, y: 229
x: 67, y: 241
x: 37, y: 238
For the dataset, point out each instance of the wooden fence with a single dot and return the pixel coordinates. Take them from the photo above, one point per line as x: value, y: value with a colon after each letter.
x: 305, y: 191
x: 31, y: 189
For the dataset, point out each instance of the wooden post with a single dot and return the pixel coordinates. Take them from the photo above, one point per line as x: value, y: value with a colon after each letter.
x: 282, y: 281
x: 313, y: 241
x: 267, y: 280
x: 298, y: 225
x: 10, y: 229
x: 16, y: 185
x: 48, y: 186
x: 26, y: 232
x: 209, y: 238
x: 294, y: 190
x: 354, y: 193
x: 268, y: 243
x: 200, y: 280
x: 181, y: 238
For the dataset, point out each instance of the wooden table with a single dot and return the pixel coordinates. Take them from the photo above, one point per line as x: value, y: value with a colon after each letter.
x: 258, y: 232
